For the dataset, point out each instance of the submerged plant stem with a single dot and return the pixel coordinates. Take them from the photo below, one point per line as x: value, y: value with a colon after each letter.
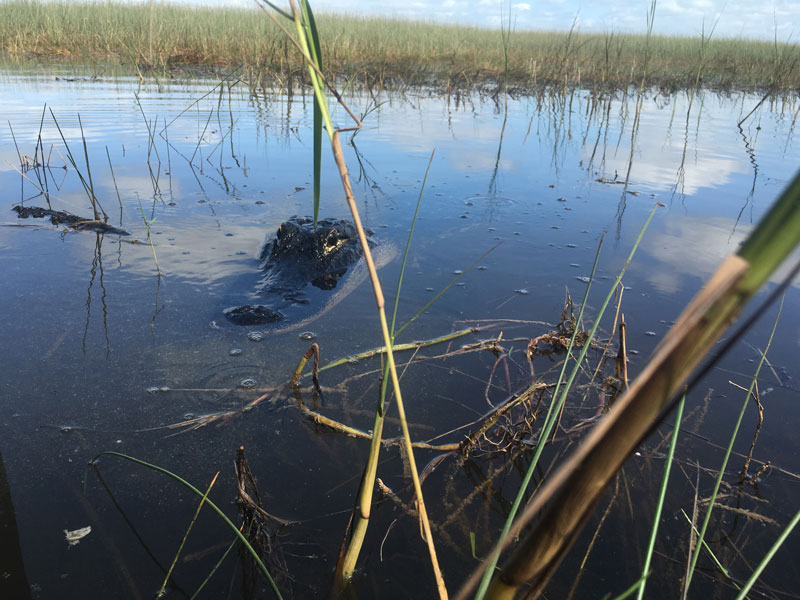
x: 661, y: 495
x: 213, y: 506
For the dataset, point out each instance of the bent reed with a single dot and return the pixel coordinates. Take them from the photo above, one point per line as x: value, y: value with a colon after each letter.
x: 386, y: 52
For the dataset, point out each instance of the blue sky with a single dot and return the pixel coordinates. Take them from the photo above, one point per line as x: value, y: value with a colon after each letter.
x: 759, y: 19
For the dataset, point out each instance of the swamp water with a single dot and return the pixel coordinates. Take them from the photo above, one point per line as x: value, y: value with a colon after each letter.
x: 99, y: 353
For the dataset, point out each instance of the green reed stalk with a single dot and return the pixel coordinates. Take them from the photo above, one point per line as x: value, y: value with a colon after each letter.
x: 713, y: 556
x: 211, y: 504
x: 88, y: 186
x: 651, y: 544
x: 147, y: 224
x: 549, y: 422
x: 161, y: 591
x: 213, y: 570
x: 565, y: 501
x: 552, y: 415
x: 363, y: 507
x: 768, y: 557
x: 316, y: 55
x: 712, y: 500
x: 318, y: 82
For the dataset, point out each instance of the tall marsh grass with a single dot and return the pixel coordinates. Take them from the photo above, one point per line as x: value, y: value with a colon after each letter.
x: 383, y: 51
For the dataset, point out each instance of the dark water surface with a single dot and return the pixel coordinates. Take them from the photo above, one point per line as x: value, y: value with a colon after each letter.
x: 99, y: 354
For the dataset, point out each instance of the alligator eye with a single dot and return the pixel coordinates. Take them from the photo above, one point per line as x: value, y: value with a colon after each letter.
x: 333, y: 238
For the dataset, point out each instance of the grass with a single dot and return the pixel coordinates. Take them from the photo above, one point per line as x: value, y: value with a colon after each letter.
x: 387, y: 52
x: 774, y: 238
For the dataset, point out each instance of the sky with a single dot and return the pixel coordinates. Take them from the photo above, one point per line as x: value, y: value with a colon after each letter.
x: 755, y: 19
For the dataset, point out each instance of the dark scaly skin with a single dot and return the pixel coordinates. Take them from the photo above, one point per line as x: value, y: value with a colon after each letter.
x: 306, y: 271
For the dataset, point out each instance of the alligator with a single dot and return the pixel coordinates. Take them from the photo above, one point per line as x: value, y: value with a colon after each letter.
x: 305, y: 271
x: 60, y: 217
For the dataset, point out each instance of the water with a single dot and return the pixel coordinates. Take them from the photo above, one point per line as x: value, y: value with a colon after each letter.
x: 100, y: 354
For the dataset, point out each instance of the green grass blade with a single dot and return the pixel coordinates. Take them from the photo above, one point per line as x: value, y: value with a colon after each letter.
x: 308, y: 45
x: 765, y: 561
x: 214, y: 570
x: 718, y: 482
x: 408, y: 245
x: 371, y: 467
x: 552, y: 414
x: 316, y: 55
x: 627, y: 593
x: 444, y: 289
x: 317, y: 157
x: 550, y: 419
x: 203, y: 500
x: 713, y: 556
x: 213, y: 506
x: 661, y: 495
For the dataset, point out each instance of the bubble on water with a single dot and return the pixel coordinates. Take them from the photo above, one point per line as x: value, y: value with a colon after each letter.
x: 235, y: 351
x: 574, y: 265
x: 248, y: 383
x: 255, y: 336
x: 457, y: 272
x: 482, y: 268
x: 650, y: 333
x: 583, y: 279
x: 152, y: 389
x: 188, y: 416
x: 240, y: 253
x: 163, y: 389
x: 308, y: 335
x: 65, y: 429
x: 522, y: 291
x: 571, y: 246
x: 352, y: 360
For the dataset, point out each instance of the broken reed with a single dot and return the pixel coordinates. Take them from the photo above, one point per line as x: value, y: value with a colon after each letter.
x: 387, y: 51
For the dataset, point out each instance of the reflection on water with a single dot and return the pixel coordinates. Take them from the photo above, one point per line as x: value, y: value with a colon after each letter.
x: 89, y: 329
